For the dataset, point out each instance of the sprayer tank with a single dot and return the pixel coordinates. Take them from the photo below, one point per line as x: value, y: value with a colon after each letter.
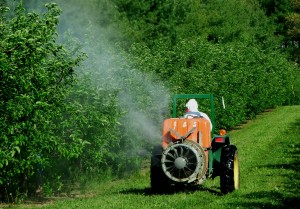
x: 197, y: 129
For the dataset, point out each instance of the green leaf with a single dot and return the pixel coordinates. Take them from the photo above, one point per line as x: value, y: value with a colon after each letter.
x: 13, y: 153
x: 18, y: 149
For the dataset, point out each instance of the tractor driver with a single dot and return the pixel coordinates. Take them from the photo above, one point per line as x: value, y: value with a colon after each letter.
x: 192, y: 111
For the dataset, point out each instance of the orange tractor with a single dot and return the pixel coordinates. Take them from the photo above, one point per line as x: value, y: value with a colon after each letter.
x: 190, y: 153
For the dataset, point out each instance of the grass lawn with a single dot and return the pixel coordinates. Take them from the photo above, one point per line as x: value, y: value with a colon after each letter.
x: 269, y: 150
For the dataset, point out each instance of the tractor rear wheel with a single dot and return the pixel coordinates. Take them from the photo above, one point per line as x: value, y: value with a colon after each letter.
x: 159, y: 181
x: 229, y: 176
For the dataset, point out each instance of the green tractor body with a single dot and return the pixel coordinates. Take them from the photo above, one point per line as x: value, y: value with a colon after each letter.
x: 190, y: 152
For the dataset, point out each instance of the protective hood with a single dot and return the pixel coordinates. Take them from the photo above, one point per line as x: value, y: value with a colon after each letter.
x: 192, y: 105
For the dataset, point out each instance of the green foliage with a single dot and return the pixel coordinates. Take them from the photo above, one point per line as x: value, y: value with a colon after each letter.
x: 214, y: 21
x: 250, y: 78
x: 286, y: 16
x: 93, y: 118
x: 35, y: 74
x: 217, y: 49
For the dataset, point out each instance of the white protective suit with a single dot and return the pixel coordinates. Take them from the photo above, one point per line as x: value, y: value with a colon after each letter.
x: 193, y: 111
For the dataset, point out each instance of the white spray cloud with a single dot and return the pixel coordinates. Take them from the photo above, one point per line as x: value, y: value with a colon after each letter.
x: 109, y: 69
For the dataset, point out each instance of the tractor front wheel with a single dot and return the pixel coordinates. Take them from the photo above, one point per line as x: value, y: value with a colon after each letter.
x: 229, y: 176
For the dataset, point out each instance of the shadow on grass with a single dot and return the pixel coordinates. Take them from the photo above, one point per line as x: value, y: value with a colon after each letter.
x: 275, y: 200
x: 172, y: 190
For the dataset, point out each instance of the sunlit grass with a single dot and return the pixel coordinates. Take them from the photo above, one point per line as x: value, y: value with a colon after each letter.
x: 268, y: 150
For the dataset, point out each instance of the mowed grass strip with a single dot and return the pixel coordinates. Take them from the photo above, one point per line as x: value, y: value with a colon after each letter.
x: 268, y: 148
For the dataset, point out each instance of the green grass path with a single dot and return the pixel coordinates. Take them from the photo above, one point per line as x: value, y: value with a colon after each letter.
x: 269, y: 150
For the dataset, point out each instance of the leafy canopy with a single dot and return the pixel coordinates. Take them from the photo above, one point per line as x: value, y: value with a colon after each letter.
x: 35, y: 74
